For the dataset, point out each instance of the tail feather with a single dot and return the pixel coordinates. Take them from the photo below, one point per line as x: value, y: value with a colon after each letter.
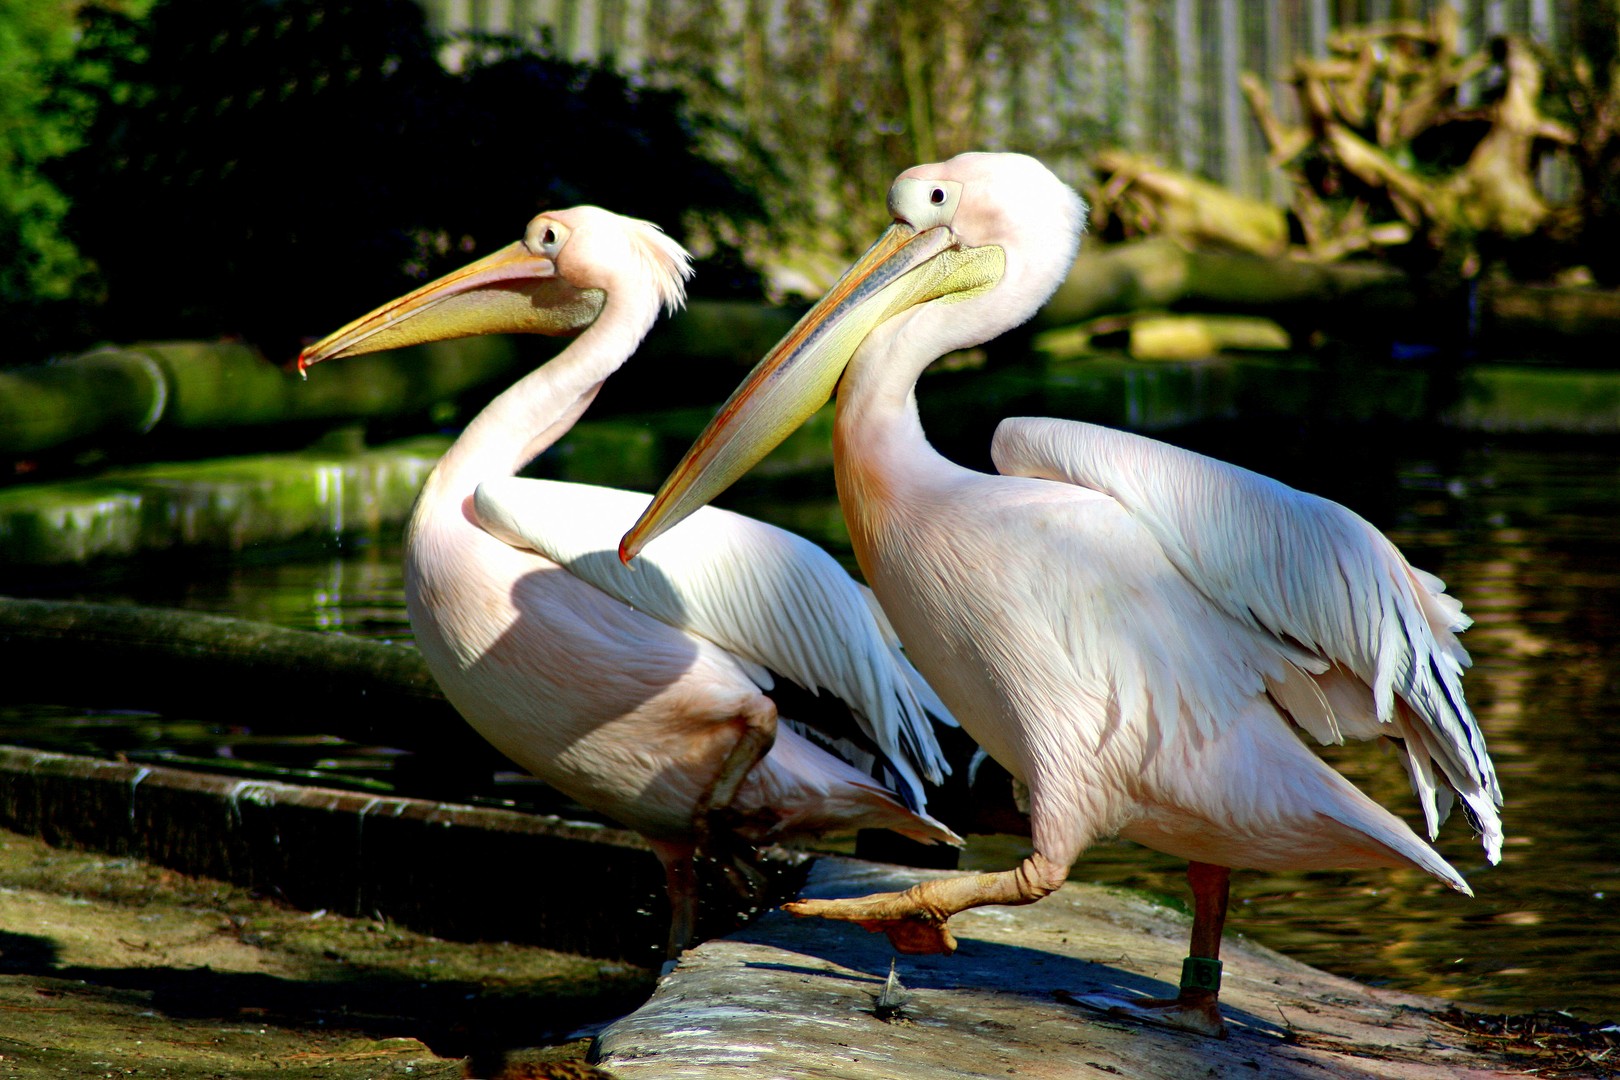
x: 1355, y: 810
x: 810, y: 792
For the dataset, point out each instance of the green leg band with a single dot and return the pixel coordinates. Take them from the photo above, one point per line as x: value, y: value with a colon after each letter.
x: 1201, y: 973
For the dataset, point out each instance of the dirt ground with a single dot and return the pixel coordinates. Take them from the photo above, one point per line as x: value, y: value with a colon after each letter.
x: 113, y: 967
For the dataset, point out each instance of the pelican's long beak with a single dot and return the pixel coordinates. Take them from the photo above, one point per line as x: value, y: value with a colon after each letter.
x: 903, y: 269
x: 507, y: 292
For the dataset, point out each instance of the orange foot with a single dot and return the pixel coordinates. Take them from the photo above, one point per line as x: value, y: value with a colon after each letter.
x: 910, y: 926
x: 1196, y: 1011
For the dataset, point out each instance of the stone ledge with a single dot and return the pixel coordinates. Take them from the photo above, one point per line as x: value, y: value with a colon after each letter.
x: 789, y: 998
x: 469, y: 873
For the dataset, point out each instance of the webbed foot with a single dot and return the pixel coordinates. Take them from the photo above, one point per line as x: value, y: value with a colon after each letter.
x: 911, y: 927
x: 1197, y: 1011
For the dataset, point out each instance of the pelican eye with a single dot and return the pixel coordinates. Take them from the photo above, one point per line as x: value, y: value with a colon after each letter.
x: 544, y: 237
x: 924, y: 204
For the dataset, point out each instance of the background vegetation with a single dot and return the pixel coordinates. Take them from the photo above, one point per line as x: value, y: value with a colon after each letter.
x: 265, y: 169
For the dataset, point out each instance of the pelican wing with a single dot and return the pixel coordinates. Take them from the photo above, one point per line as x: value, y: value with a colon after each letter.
x: 771, y: 598
x: 1308, y: 571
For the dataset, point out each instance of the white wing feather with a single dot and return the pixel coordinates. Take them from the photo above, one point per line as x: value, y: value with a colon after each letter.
x: 1308, y: 571
x: 771, y: 598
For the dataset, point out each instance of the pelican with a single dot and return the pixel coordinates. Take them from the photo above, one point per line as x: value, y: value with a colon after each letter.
x: 644, y: 696
x: 1133, y: 630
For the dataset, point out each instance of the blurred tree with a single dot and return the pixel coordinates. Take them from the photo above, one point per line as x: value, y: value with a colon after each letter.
x: 1588, y: 83
x: 38, y: 266
x: 564, y: 133
x: 843, y: 96
x: 269, y: 168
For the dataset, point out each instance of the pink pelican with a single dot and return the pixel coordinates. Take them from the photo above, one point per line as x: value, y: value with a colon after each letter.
x: 1133, y: 630
x: 644, y: 696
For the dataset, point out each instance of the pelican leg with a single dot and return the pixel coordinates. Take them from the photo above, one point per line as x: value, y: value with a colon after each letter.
x: 915, y: 920
x: 680, y: 882
x: 712, y: 820
x: 754, y: 741
x: 1196, y: 1008
x: 721, y: 869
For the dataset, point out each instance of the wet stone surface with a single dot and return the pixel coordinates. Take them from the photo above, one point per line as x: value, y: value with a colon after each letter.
x: 800, y: 998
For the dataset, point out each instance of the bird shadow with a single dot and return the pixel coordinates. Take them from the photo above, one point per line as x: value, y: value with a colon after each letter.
x: 848, y: 954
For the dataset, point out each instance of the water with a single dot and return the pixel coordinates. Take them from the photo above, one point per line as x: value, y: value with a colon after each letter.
x: 1527, y: 536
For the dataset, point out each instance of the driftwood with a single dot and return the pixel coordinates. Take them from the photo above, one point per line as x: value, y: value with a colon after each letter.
x: 232, y: 671
x: 1384, y: 157
x: 1137, y: 197
x: 1352, y: 299
x: 1360, y: 176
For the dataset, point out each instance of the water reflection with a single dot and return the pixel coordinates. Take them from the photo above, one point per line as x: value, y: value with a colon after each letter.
x: 351, y: 586
x: 1528, y: 538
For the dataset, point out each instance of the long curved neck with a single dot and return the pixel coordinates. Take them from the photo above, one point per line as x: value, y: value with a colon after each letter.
x: 540, y: 408
x: 879, y: 447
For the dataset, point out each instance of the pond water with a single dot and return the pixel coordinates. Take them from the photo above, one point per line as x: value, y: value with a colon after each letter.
x: 1527, y: 535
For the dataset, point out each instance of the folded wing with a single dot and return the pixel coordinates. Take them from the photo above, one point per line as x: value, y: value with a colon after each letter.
x: 773, y: 599
x: 1313, y: 574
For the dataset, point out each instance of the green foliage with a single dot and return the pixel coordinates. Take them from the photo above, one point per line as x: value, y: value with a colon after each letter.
x: 839, y: 98
x: 558, y: 133
x: 37, y: 264
x: 268, y: 169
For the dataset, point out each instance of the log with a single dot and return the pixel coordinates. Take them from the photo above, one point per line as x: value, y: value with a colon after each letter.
x: 233, y: 670
x: 1149, y: 198
x: 114, y: 394
x: 1194, y: 337
x: 1550, y: 320
x: 1160, y: 274
x: 108, y: 394
x: 195, y: 386
x: 1357, y: 300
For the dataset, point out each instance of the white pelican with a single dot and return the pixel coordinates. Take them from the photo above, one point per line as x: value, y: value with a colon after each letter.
x: 1133, y: 630
x: 644, y: 696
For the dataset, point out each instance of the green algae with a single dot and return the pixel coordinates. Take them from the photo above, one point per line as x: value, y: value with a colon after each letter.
x: 221, y: 504
x: 337, y: 488
x: 1540, y: 400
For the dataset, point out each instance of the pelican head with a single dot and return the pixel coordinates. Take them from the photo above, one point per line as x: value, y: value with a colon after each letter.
x: 554, y: 281
x: 977, y: 245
